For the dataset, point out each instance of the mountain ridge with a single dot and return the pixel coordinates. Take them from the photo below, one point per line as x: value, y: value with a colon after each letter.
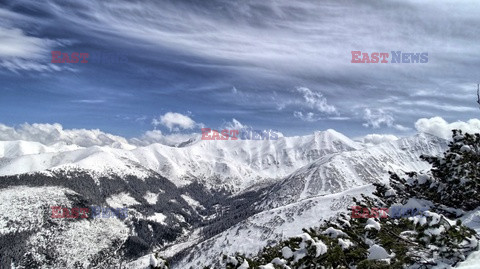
x: 238, y: 164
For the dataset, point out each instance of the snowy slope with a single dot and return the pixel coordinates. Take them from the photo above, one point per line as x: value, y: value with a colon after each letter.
x: 26, y: 225
x: 472, y: 220
x: 237, y: 164
x: 102, y: 160
x: 28, y: 231
x: 314, y: 192
x: 270, y: 226
x: 341, y: 171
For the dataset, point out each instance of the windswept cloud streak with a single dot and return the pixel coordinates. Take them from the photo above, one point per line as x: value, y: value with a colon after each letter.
x: 15, y: 43
x: 268, y: 62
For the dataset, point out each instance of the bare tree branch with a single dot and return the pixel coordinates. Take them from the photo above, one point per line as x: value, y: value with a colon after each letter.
x: 478, y: 94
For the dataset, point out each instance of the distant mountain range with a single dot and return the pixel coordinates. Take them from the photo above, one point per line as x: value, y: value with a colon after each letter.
x: 188, y: 202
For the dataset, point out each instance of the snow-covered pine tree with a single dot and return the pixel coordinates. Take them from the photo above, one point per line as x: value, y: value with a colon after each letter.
x: 453, y: 183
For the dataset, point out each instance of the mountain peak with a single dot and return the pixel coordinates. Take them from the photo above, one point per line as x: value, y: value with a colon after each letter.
x: 329, y: 137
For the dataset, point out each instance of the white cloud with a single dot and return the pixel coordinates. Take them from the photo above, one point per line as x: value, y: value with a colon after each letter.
x: 237, y: 125
x: 376, y: 118
x: 175, y: 121
x: 316, y: 100
x: 435, y: 105
x: 19, y: 51
x: 439, y: 127
x: 156, y: 136
x: 401, y: 127
x: 141, y: 118
x: 17, y: 64
x: 309, y: 116
x: 49, y: 134
x: 339, y: 118
x: 16, y: 44
x: 378, y: 138
x: 89, y: 101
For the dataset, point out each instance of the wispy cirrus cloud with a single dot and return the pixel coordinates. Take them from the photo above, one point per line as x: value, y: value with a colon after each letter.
x: 246, y: 59
x: 89, y: 101
x: 309, y: 116
x: 22, y: 52
x: 15, y: 43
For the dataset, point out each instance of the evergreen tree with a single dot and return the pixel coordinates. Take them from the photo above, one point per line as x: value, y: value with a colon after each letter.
x: 453, y: 183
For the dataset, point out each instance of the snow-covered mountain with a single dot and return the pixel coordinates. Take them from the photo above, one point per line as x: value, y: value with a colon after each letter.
x: 314, y: 193
x: 193, y: 202
x: 235, y: 164
x: 341, y: 171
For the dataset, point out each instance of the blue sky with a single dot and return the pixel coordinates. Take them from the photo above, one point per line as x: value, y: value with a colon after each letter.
x: 283, y: 65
